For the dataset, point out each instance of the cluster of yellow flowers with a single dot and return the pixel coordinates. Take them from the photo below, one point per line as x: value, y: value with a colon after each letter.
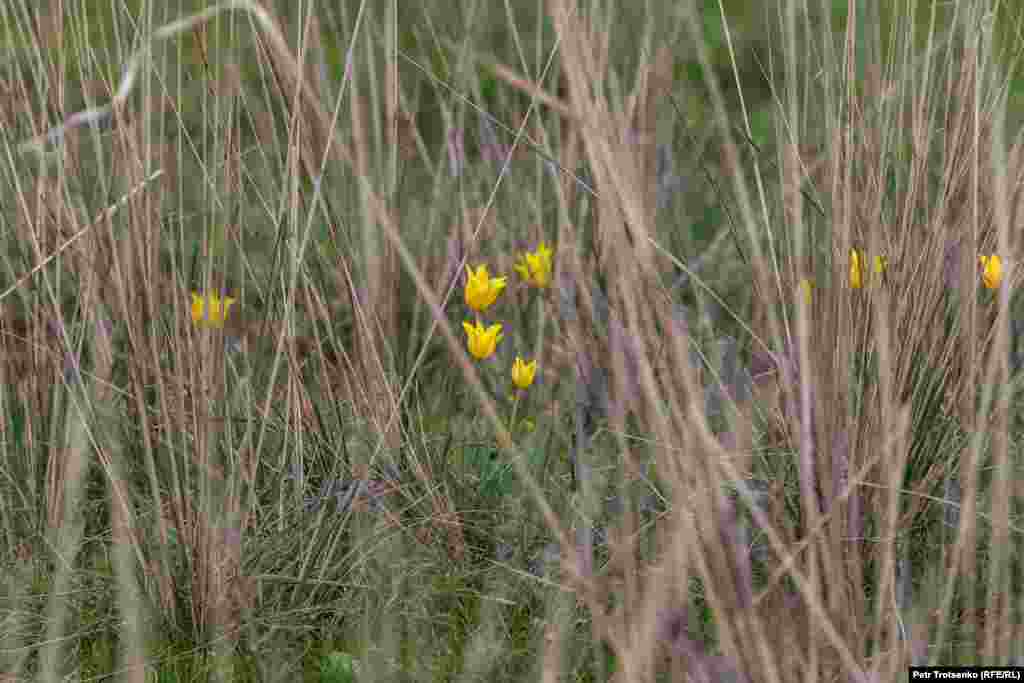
x: 210, y: 310
x: 482, y: 291
x: 991, y: 272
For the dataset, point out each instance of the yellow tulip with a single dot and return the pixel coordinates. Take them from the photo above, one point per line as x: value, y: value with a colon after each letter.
x: 856, y: 270
x: 880, y: 265
x: 481, y: 289
x: 523, y: 372
x: 806, y: 287
x: 482, y: 341
x: 992, y: 270
x: 858, y: 262
x: 536, y: 267
x: 210, y: 311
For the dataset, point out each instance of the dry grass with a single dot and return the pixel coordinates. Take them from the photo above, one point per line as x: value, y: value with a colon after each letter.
x: 720, y: 480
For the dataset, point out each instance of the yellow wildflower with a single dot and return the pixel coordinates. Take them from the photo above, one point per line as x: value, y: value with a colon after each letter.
x: 210, y: 311
x: 481, y: 289
x: 482, y: 341
x: 806, y: 287
x: 992, y: 270
x: 523, y: 372
x: 880, y: 265
x: 858, y: 262
x: 535, y: 267
x: 856, y: 270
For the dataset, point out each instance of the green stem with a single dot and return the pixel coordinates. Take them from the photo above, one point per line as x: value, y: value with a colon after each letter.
x: 515, y: 408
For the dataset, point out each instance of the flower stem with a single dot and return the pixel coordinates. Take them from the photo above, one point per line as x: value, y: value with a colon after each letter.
x: 515, y: 408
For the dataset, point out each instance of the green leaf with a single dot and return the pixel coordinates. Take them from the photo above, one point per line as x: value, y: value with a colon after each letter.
x: 714, y: 35
x: 338, y: 667
x: 762, y: 127
x: 694, y: 73
x: 17, y: 428
x: 488, y: 88
x: 496, y: 476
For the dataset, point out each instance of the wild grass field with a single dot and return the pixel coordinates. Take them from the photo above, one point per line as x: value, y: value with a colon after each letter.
x: 509, y: 341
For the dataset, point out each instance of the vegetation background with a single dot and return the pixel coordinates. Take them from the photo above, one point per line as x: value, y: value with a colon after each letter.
x: 712, y: 476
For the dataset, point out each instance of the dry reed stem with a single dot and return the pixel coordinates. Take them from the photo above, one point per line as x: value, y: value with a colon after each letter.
x: 526, y: 86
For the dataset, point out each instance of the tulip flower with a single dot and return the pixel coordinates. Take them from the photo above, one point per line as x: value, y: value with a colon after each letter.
x: 991, y: 270
x: 536, y: 267
x: 481, y: 289
x: 210, y: 310
x: 523, y: 372
x: 482, y: 341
